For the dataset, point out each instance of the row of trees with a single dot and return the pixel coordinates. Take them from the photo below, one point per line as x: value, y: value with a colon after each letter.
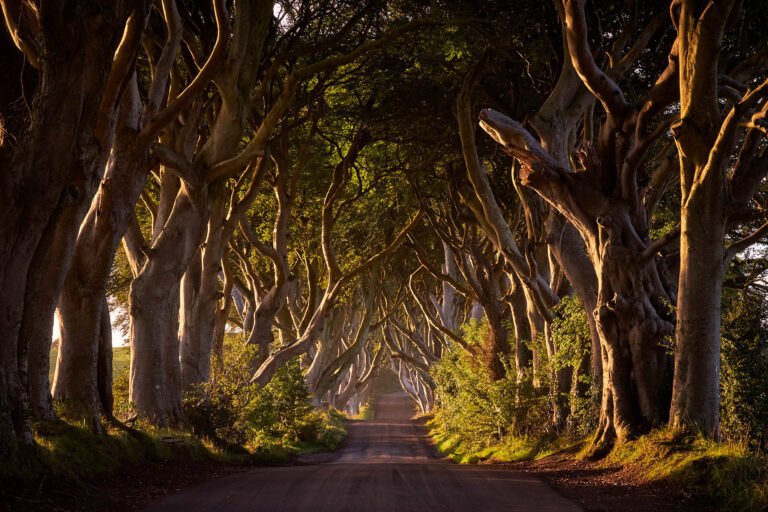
x: 309, y: 174
x: 160, y: 124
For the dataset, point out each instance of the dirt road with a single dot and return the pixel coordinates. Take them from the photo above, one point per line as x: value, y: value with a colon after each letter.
x: 384, y: 465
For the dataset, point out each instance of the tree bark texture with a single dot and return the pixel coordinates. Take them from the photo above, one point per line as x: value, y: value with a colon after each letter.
x: 46, y: 185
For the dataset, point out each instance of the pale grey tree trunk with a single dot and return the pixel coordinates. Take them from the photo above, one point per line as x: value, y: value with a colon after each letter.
x: 696, y: 387
x: 82, y: 303
x: 155, y: 386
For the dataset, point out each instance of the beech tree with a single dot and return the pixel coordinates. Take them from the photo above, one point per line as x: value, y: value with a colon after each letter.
x: 603, y: 200
x: 141, y: 120
x: 52, y: 165
x: 301, y: 183
x: 723, y: 162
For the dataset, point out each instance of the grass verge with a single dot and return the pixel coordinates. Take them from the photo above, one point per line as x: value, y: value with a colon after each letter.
x: 727, y: 476
x: 71, y: 452
x: 74, y: 453
x: 508, y: 449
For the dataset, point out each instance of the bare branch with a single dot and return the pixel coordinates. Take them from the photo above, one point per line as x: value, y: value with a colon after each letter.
x: 598, y: 82
x: 162, y: 70
x: 721, y: 149
x: 430, y: 317
x: 20, y: 19
x: 659, y: 244
x: 502, y: 236
x: 740, y: 245
x: 122, y: 71
x: 186, y: 97
x: 177, y: 164
x: 640, y: 44
x: 424, y: 260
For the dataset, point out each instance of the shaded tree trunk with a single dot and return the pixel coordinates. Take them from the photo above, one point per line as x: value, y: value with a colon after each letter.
x: 199, y: 299
x: 81, y: 304
x: 47, y: 181
x: 696, y: 386
x: 155, y: 375
x: 705, y: 191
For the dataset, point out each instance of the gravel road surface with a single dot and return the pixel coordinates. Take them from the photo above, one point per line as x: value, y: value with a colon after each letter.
x: 385, y: 464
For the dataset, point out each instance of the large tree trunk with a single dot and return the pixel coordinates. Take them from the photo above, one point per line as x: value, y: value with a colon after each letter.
x: 696, y: 387
x: 81, y: 304
x: 49, y: 176
x: 704, y: 155
x: 83, y: 378
x: 518, y: 308
x: 155, y: 386
x: 104, y: 363
x: 261, y: 334
x: 496, y: 345
x: 200, y: 298
x: 631, y: 313
x: 630, y: 318
x: 325, y: 349
x: 40, y: 304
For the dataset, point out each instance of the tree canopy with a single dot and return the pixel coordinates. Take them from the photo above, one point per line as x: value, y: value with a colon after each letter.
x: 557, y: 206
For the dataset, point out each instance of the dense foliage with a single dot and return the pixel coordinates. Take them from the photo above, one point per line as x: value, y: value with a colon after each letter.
x: 481, y: 411
x: 233, y: 412
x: 744, y: 369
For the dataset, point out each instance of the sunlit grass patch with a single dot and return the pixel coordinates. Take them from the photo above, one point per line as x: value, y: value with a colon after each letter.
x: 365, y: 412
x: 727, y: 475
x: 71, y: 451
x: 510, y: 448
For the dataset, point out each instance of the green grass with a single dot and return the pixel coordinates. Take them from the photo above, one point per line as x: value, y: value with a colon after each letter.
x: 74, y: 453
x: 726, y: 475
x: 508, y: 449
x: 68, y: 449
x: 121, y: 359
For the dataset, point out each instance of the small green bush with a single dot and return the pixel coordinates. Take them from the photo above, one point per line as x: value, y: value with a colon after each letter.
x: 573, y: 341
x: 477, y: 410
x: 278, y: 418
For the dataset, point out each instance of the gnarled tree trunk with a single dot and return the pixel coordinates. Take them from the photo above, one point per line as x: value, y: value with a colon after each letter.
x: 155, y: 386
x: 47, y: 181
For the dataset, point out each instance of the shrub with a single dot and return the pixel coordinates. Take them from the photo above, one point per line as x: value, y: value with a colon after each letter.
x: 477, y: 409
x: 232, y: 412
x: 282, y: 411
x: 573, y: 340
x: 744, y: 363
x: 479, y: 412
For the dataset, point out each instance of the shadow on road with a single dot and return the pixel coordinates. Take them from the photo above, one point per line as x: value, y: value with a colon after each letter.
x: 385, y: 464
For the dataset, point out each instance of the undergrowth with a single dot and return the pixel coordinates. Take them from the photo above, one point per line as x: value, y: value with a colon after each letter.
x: 479, y: 419
x: 228, y: 420
x: 73, y: 452
x: 729, y: 476
x: 272, y: 423
x: 365, y: 412
x: 510, y: 448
